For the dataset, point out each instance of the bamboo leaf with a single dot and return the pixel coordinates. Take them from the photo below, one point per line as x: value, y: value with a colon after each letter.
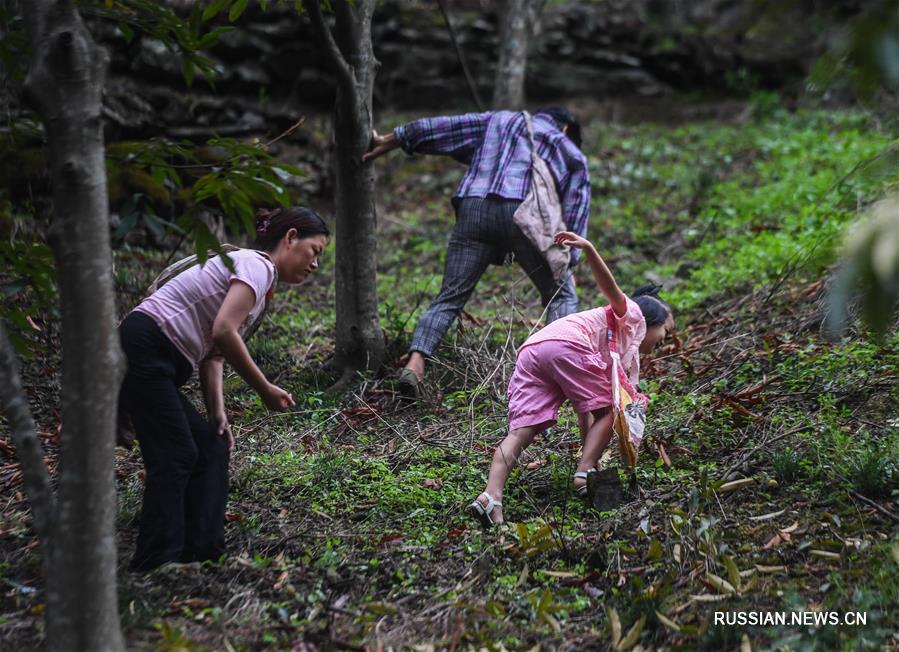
x: 614, y: 625
x: 667, y: 622
x: 767, y: 517
x: 551, y: 621
x: 633, y: 635
x: 720, y: 584
x: 733, y: 573
x: 708, y: 597
x: 735, y: 484
x: 523, y: 576
x: 559, y: 574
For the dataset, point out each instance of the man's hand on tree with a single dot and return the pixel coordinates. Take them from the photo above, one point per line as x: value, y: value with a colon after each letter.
x: 380, y: 145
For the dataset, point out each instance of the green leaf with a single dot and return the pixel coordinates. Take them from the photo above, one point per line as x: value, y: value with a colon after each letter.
x: 187, y: 70
x: 211, y: 38
x: 655, y: 550
x: 614, y: 624
x: 204, y: 241
x: 290, y: 169
x: 237, y: 9
x: 127, y: 32
x: 733, y: 573
x: 214, y: 9
x: 633, y: 635
x: 721, y: 585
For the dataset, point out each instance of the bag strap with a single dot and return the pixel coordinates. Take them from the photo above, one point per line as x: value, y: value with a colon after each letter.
x: 530, y: 125
x: 184, y: 264
x: 612, y: 336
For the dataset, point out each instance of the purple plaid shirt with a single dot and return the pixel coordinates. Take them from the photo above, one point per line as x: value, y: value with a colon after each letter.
x: 496, y: 148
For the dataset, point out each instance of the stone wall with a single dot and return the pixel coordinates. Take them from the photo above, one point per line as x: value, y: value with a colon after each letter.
x: 271, y: 67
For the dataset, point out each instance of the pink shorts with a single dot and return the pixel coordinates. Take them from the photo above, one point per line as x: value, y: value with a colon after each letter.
x: 547, y: 373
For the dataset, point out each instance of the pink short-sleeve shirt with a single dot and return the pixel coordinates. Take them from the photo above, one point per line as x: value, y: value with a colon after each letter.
x: 588, y: 329
x: 185, y: 307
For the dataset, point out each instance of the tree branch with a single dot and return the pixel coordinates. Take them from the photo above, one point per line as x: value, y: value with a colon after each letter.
x: 28, y: 447
x: 34, y: 19
x: 346, y: 30
x: 452, y: 32
x: 344, y: 71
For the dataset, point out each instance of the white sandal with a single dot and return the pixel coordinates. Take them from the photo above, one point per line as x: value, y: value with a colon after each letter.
x: 483, y: 512
x: 581, y: 491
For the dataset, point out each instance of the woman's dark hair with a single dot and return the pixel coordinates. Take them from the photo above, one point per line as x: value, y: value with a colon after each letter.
x: 654, y: 310
x: 271, y: 225
x: 564, y: 119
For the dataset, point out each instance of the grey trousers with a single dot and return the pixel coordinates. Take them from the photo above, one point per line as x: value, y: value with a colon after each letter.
x: 484, y: 234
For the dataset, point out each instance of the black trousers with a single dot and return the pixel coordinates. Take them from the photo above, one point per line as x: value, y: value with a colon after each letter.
x: 186, y: 462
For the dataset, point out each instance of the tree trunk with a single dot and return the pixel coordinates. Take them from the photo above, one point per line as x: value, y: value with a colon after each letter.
x: 518, y: 21
x: 65, y: 85
x: 24, y: 435
x: 360, y: 340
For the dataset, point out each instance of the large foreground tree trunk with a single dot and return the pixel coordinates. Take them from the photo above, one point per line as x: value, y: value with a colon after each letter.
x: 65, y: 85
x: 519, y: 21
x: 360, y: 341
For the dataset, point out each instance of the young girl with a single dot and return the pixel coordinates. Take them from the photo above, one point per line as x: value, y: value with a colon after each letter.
x: 198, y: 320
x: 569, y: 359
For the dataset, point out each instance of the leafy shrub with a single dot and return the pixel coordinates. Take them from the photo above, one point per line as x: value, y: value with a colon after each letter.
x: 787, y: 465
x: 873, y: 473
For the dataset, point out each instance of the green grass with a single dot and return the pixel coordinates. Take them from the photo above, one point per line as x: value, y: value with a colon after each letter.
x: 346, y: 522
x: 373, y: 500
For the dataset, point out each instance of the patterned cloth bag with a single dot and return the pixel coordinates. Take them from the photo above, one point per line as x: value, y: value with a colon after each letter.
x: 628, y: 405
x: 539, y: 216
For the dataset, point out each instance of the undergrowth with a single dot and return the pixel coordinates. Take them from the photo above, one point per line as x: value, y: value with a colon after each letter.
x: 769, y: 481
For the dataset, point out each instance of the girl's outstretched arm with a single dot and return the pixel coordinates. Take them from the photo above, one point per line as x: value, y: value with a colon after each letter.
x: 604, y: 279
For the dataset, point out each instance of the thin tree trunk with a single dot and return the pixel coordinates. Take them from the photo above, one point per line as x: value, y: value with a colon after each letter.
x: 360, y: 340
x: 24, y: 436
x: 518, y: 23
x: 65, y: 85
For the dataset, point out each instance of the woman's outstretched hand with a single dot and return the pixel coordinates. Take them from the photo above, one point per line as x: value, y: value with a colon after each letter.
x: 276, y: 398
x: 380, y: 145
x: 572, y: 240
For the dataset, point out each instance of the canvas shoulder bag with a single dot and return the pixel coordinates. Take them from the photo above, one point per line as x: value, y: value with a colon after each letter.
x: 539, y: 216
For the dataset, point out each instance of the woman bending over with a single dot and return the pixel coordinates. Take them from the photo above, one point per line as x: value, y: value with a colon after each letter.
x: 197, y: 320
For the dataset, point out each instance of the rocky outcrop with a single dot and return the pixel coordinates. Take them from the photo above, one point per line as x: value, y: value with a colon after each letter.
x: 270, y: 67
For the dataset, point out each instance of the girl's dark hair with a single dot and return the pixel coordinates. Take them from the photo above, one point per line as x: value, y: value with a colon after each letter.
x: 564, y: 118
x: 271, y: 225
x: 654, y: 310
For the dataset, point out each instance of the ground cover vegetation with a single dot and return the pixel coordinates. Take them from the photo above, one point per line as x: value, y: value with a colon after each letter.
x: 769, y: 482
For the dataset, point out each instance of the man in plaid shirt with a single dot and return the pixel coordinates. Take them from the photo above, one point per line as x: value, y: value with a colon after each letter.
x: 496, y: 147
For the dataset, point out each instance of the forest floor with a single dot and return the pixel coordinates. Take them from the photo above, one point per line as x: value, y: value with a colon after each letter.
x: 768, y: 482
